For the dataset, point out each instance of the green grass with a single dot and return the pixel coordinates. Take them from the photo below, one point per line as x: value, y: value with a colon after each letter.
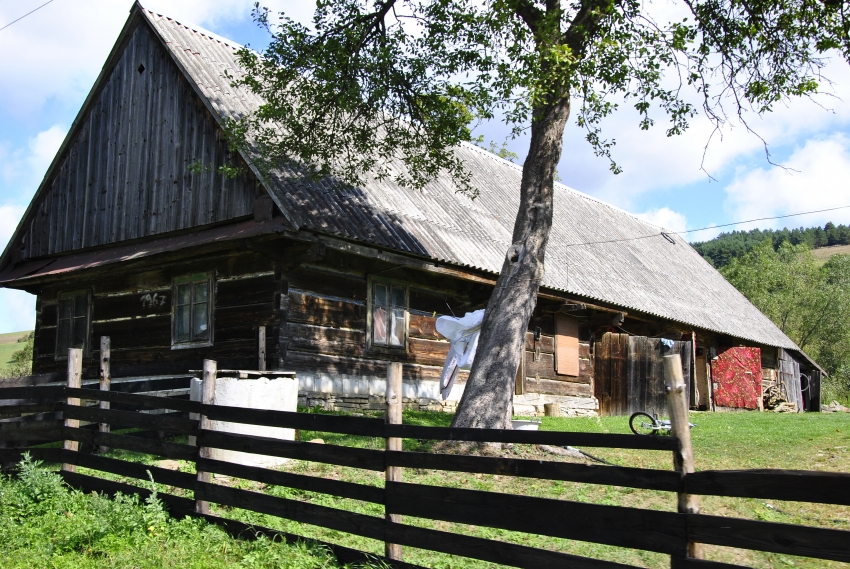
x: 9, y: 345
x: 44, y: 524
x: 721, y: 441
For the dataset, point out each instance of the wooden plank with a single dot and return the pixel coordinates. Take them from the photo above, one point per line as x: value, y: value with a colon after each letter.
x: 44, y: 392
x: 651, y: 530
x: 566, y: 345
x: 133, y: 470
x: 665, y: 480
x: 555, y: 387
x: 15, y: 455
x: 105, y: 380
x: 554, y: 438
x: 140, y: 400
x: 344, y: 555
x: 791, y: 485
x: 208, y: 380
x: 393, y: 444
x: 322, y: 516
x: 75, y: 367
x: 499, y: 552
x: 788, y: 539
x: 313, y: 309
x: 338, y: 488
x: 178, y: 506
x: 293, y: 420
x: 40, y: 431
x: 158, y: 448
x: 690, y: 563
x: 132, y: 419
x: 602, y: 379
x: 15, y: 411
x: 328, y: 454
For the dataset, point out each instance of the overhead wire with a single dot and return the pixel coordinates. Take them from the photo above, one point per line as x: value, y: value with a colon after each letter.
x: 666, y: 234
x: 25, y: 15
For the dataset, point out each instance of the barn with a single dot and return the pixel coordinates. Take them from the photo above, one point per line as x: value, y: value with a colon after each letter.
x: 135, y: 234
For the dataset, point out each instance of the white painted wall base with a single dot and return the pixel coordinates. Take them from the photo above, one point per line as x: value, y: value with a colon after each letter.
x: 278, y: 394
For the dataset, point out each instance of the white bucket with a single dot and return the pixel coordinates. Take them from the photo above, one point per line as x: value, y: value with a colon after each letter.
x: 521, y: 425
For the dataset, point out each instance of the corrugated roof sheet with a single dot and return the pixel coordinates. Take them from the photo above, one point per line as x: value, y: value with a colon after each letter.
x: 635, y: 267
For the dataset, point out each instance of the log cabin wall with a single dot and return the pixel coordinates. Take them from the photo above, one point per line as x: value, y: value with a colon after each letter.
x: 135, y: 311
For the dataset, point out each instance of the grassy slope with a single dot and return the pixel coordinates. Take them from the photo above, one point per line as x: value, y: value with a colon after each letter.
x: 822, y: 254
x: 9, y: 345
x: 721, y: 441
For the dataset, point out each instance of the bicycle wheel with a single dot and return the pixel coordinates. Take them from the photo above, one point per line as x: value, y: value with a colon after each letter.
x: 643, y: 424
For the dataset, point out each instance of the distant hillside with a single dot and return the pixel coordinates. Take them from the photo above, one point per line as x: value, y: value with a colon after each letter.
x: 727, y: 246
x: 9, y: 344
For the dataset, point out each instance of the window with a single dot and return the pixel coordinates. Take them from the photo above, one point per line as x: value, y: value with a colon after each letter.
x: 73, y: 325
x: 389, y: 314
x: 192, y: 311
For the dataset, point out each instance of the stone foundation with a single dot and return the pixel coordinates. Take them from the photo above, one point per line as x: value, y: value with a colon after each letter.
x: 424, y: 396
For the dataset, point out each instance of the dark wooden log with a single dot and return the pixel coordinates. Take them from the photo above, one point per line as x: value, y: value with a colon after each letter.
x: 158, y: 448
x: 789, y: 539
x: 554, y: 438
x: 9, y: 455
x: 178, y: 506
x: 650, y: 530
x: 664, y: 480
x: 344, y: 555
x: 139, y: 401
x: 328, y: 454
x: 322, y: 516
x: 133, y: 470
x: 131, y: 419
x: 573, y: 388
x: 299, y: 481
x: 792, y: 485
x: 292, y: 420
x: 499, y: 552
x: 44, y: 392
x: 38, y: 431
x: 691, y: 563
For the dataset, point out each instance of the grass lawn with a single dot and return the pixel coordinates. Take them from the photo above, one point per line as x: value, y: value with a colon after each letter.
x: 9, y: 345
x: 721, y: 441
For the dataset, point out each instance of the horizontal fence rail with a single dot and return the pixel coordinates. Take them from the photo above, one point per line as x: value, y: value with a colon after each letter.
x: 651, y: 530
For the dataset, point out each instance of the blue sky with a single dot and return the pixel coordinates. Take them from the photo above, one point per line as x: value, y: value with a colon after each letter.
x: 50, y: 59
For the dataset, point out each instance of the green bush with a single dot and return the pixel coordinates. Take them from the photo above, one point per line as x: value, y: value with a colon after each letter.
x: 44, y: 523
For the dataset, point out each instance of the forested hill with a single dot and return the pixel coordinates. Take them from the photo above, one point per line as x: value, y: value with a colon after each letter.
x: 727, y: 246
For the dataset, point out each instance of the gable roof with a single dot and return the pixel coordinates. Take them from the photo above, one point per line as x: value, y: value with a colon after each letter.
x: 595, y: 250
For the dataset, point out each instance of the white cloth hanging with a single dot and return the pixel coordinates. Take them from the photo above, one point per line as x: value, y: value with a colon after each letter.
x: 463, y: 334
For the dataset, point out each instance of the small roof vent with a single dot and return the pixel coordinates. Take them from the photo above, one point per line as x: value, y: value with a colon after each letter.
x: 141, y: 68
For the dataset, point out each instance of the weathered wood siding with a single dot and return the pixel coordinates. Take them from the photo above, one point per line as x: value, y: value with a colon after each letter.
x: 630, y: 373
x: 125, y: 174
x: 136, y: 313
x: 540, y: 372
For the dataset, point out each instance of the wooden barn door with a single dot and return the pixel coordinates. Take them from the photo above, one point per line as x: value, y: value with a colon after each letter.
x: 736, y: 373
x: 629, y: 373
x: 789, y: 376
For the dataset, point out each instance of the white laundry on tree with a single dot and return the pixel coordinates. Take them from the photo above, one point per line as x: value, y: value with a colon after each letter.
x: 463, y: 334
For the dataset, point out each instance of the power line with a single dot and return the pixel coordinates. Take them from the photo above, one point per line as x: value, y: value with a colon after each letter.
x: 25, y: 15
x: 666, y: 234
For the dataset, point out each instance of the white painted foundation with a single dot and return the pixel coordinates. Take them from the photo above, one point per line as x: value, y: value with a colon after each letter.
x: 275, y: 393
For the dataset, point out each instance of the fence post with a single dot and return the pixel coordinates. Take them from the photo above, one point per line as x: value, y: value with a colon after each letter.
x: 207, y: 398
x: 105, y: 380
x: 75, y: 372
x: 683, y: 457
x: 394, y: 409
x: 261, y: 350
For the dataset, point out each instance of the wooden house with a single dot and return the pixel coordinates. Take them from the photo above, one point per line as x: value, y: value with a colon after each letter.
x: 176, y: 263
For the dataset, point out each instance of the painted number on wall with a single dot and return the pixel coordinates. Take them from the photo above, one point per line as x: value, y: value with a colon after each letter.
x: 152, y: 300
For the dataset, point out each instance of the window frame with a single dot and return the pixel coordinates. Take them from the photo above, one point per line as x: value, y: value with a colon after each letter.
x: 177, y: 344
x: 370, y: 302
x: 58, y: 353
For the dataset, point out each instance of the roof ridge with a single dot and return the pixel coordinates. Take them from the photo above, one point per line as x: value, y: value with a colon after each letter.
x: 196, y: 29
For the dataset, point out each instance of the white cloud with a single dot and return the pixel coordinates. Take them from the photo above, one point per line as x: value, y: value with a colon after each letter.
x: 819, y: 182
x: 17, y: 311
x: 665, y: 218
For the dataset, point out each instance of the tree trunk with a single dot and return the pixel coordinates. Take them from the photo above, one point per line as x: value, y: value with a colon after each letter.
x: 487, y: 401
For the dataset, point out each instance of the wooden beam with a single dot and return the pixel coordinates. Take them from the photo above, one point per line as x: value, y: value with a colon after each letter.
x: 75, y: 374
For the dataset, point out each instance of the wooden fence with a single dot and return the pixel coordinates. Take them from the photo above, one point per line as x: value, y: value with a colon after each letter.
x: 659, y: 531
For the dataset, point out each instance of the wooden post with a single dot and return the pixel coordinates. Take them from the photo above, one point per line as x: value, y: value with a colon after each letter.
x: 261, y: 350
x: 75, y: 373
x: 683, y: 458
x: 207, y: 398
x: 394, y: 409
x: 105, y: 380
x: 552, y: 409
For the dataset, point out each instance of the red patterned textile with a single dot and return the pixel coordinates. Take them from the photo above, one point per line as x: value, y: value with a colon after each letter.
x: 736, y: 373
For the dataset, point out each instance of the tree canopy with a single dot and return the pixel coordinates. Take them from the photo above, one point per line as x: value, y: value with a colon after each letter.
x: 809, y: 302
x: 386, y: 89
x: 721, y: 250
